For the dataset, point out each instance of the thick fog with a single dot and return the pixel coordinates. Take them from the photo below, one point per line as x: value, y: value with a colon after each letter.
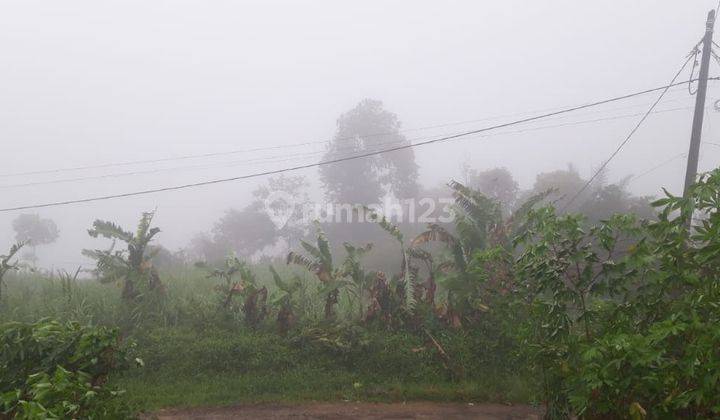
x: 85, y: 83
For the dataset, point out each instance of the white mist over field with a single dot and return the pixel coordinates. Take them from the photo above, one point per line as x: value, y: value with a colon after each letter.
x: 87, y: 83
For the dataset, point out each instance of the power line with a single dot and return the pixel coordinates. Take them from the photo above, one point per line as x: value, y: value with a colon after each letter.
x: 269, y: 148
x: 359, y: 156
x: 658, y: 166
x: 628, y: 137
x: 286, y: 158
x: 269, y: 159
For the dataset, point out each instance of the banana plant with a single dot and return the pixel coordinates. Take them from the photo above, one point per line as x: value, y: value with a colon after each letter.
x: 408, y: 272
x: 6, y: 264
x: 239, y: 280
x: 283, y: 299
x: 319, y: 261
x: 479, y: 222
x: 480, y: 229
x: 131, y: 266
x: 432, y: 269
x: 353, y: 269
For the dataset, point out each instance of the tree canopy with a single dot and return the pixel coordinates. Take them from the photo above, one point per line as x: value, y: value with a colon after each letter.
x: 33, y: 229
x: 366, y: 128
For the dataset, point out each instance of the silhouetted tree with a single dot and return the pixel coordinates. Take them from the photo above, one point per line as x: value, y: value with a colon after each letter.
x: 245, y: 231
x: 33, y: 230
x: 202, y: 247
x: 597, y: 202
x: 365, y: 128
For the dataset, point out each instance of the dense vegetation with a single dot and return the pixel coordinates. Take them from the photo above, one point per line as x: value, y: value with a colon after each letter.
x: 611, y: 318
x: 52, y: 370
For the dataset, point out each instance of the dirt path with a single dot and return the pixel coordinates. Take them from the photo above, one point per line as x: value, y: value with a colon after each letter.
x: 414, y: 410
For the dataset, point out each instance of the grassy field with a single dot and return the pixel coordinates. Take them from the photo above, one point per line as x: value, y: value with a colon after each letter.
x: 189, y: 368
x: 196, y: 355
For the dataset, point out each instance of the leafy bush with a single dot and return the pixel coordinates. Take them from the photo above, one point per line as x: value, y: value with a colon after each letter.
x: 624, y: 318
x: 54, y: 370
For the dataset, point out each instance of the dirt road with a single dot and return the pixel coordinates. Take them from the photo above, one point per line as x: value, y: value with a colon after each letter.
x: 414, y: 410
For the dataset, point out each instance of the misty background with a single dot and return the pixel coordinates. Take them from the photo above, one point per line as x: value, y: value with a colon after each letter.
x: 84, y: 83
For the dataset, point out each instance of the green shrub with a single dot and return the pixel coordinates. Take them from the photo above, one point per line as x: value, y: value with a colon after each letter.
x: 55, y: 370
x: 624, y: 318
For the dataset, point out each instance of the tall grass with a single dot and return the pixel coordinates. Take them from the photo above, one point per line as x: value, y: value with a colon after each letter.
x: 197, y: 354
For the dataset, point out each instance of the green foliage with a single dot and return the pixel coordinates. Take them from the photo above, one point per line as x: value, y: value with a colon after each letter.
x: 131, y: 266
x: 565, y: 271
x: 361, y: 280
x: 481, y: 251
x: 624, y: 316
x: 54, y: 370
x: 319, y: 261
x: 68, y: 282
x: 617, y: 318
x: 283, y: 299
x: 238, y: 279
x: 407, y: 271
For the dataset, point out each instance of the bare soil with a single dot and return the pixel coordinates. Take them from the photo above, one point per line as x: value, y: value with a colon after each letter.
x: 351, y: 410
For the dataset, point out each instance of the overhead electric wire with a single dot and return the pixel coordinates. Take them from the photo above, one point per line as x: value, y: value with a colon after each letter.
x: 285, y: 158
x: 269, y: 148
x: 664, y: 89
x: 658, y: 166
x: 628, y: 137
x: 264, y: 160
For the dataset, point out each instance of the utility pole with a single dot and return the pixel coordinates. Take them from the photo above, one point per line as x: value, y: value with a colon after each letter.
x: 692, y: 163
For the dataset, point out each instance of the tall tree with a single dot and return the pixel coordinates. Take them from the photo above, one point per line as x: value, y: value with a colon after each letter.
x: 33, y: 230
x: 245, y: 231
x: 366, y: 128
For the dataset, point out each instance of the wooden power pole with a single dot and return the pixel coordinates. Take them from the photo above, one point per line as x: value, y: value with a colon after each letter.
x: 692, y: 163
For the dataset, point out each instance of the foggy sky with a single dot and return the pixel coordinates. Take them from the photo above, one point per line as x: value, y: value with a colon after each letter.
x: 88, y: 82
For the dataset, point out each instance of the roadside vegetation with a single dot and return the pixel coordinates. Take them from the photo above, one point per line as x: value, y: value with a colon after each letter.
x: 615, y: 318
x: 594, y: 305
